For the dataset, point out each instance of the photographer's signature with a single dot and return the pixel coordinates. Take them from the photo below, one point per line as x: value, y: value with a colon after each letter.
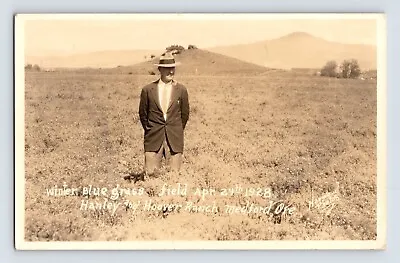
x: 326, y: 202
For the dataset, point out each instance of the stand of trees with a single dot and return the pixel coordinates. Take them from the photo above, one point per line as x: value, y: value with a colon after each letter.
x: 177, y: 49
x: 32, y: 67
x: 348, y: 69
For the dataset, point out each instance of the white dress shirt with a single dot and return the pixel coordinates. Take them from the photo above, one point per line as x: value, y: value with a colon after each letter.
x: 161, y: 87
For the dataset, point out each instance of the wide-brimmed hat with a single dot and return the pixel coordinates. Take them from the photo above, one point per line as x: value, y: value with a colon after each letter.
x: 167, y: 60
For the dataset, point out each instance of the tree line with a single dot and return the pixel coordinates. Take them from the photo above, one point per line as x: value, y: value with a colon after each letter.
x: 177, y: 49
x: 32, y: 67
x: 174, y: 49
x: 349, y: 68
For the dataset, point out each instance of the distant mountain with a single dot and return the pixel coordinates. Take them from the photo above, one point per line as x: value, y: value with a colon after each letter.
x: 296, y: 50
x: 196, y: 62
x: 300, y: 50
x: 100, y: 59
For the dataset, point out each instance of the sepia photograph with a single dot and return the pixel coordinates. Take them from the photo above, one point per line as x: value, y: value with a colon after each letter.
x: 200, y: 131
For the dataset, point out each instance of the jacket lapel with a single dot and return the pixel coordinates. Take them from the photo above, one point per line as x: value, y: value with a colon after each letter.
x: 154, y: 91
x: 174, y: 94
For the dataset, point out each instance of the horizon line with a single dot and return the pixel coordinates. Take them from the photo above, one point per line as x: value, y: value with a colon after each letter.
x: 66, y: 54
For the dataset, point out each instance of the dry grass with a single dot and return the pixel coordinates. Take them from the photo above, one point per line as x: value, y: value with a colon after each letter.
x: 297, y: 135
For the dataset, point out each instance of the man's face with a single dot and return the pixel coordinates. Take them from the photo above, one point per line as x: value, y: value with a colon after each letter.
x: 167, y: 74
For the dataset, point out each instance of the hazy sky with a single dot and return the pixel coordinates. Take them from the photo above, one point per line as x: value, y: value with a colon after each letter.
x: 68, y: 36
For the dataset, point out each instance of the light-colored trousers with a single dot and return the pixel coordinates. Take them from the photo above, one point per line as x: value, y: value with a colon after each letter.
x: 153, y: 159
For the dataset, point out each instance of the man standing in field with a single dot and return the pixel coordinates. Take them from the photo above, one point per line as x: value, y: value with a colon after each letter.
x: 164, y: 112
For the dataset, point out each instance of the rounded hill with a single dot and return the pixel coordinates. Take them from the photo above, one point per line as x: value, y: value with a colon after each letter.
x: 196, y: 62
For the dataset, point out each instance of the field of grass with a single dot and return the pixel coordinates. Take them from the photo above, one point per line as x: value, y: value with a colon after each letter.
x: 295, y: 137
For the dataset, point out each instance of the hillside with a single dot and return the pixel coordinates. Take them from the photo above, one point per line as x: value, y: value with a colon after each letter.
x: 195, y: 62
x: 299, y: 50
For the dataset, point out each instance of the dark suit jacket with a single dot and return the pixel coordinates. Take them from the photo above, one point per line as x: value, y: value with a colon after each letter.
x: 152, y: 119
